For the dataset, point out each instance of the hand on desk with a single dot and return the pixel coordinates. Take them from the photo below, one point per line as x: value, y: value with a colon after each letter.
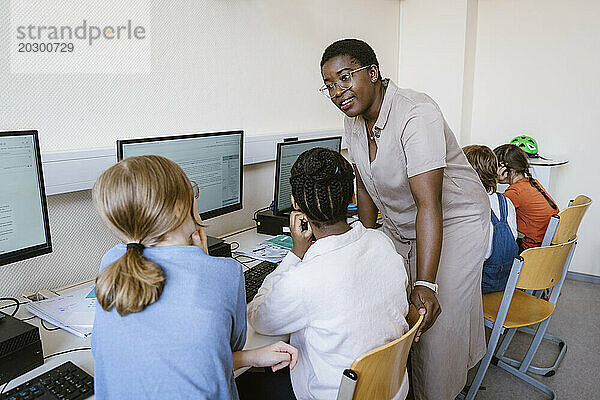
x: 276, y: 355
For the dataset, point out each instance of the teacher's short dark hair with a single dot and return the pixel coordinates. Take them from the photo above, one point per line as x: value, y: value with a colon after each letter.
x: 357, y: 49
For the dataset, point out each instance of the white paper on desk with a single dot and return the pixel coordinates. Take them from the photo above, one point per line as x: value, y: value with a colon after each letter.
x: 78, y: 330
x: 83, y: 313
x: 264, y: 251
x: 73, y: 311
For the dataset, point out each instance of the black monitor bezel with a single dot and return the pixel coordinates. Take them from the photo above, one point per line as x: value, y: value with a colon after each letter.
x: 37, y: 250
x: 211, y: 213
x: 276, y: 209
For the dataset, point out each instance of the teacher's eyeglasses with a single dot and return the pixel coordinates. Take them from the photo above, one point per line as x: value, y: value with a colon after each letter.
x: 344, y: 82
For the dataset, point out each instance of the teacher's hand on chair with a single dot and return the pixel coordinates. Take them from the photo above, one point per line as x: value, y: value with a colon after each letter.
x: 426, y: 303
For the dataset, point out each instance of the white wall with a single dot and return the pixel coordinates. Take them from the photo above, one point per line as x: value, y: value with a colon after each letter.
x: 436, y: 42
x: 537, y: 73
x: 216, y: 65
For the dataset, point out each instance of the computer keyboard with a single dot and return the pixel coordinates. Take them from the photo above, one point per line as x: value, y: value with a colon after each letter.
x: 255, y: 277
x: 67, y: 381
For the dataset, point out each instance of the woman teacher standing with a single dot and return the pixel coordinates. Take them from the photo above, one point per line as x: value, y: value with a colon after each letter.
x: 410, y: 167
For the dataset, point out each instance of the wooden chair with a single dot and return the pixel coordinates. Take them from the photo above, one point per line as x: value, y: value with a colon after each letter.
x: 535, y: 269
x: 564, y: 226
x: 561, y: 229
x: 380, y: 371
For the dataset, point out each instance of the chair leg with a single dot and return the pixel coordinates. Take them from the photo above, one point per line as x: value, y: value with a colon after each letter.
x: 510, y: 333
x: 523, y: 376
x: 526, y: 363
x: 498, y: 327
x: 485, y: 361
x: 535, y: 344
x: 545, y: 371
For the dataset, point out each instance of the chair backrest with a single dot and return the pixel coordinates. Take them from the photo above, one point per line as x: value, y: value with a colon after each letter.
x: 543, y: 266
x: 381, y: 370
x: 570, y: 219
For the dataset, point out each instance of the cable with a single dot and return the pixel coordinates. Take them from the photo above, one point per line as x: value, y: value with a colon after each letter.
x: 237, y: 247
x: 246, y: 263
x: 269, y: 207
x: 236, y: 232
x: 67, y: 351
x: 48, y: 329
x: 72, y: 286
x: 12, y: 305
x: 4, y: 388
x: 28, y: 318
x: 17, y: 304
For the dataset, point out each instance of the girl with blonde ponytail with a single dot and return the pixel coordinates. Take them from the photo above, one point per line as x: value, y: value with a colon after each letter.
x: 172, y: 319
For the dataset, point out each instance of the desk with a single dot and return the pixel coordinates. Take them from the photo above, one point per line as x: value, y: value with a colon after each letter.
x: 60, y: 340
x: 542, y: 169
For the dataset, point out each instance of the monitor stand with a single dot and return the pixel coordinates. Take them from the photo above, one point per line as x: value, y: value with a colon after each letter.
x: 218, y: 247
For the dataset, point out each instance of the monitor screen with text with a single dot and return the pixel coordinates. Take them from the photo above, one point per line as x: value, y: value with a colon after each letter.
x: 213, y: 160
x: 24, y: 228
x: 287, y: 154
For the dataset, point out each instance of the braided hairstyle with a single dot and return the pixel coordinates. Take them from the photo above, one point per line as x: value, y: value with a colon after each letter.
x: 322, y: 185
x: 515, y: 160
x: 358, y: 50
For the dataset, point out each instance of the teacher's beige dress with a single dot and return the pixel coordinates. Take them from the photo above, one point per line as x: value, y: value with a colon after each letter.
x: 412, y: 138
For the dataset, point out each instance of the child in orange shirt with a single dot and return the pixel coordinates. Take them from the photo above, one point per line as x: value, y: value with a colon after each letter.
x: 533, y: 204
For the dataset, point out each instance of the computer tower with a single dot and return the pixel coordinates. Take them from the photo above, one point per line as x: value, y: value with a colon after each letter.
x: 20, y: 348
x: 218, y: 247
x: 269, y: 223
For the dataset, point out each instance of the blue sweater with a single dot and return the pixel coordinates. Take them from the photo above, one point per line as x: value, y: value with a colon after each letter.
x: 179, y: 347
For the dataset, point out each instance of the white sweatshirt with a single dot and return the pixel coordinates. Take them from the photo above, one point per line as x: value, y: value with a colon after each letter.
x: 344, y: 298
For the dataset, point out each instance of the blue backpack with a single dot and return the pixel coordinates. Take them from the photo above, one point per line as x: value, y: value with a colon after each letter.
x: 496, y: 268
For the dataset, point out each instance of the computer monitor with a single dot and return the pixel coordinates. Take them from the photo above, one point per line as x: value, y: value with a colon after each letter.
x: 287, y: 154
x: 24, y: 227
x: 213, y: 160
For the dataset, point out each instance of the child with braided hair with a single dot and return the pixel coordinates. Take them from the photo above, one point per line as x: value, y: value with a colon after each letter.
x: 338, y: 297
x: 533, y: 204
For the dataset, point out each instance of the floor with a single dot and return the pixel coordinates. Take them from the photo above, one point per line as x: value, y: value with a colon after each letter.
x: 577, y: 321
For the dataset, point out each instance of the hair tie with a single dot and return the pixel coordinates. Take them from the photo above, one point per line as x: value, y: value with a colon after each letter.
x: 136, y: 246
